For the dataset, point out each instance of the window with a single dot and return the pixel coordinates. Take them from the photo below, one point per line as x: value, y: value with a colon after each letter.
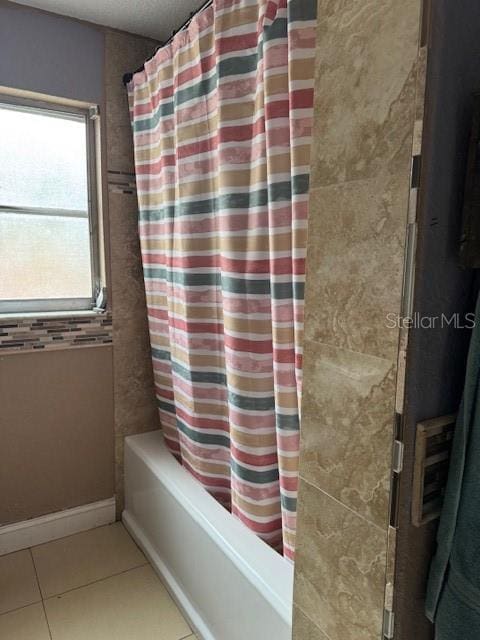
x: 49, y: 258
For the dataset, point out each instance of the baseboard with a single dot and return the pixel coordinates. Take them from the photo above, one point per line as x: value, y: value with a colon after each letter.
x: 29, y: 533
x: 178, y: 594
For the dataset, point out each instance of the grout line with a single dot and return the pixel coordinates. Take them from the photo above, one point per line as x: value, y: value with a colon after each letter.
x: 41, y: 594
x: 312, y: 621
x: 133, y: 540
x: 36, y: 572
x: 332, y: 345
x: 189, y: 636
x: 87, y: 584
x: 70, y: 535
x: 370, y: 522
x: 24, y: 606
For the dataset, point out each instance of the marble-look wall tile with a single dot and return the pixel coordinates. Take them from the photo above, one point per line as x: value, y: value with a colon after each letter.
x: 304, y: 628
x: 135, y: 404
x: 124, y: 53
x: 119, y: 476
x: 339, y: 568
x: 347, y: 428
x: 367, y: 77
x: 128, y: 286
x: 366, y: 54
x: 355, y: 263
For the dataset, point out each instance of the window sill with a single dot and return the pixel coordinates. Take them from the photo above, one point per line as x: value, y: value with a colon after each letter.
x: 40, y: 315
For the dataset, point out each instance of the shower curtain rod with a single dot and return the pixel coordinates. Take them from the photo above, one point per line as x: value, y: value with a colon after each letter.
x: 128, y: 76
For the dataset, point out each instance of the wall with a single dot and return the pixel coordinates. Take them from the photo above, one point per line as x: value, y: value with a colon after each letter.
x: 135, y: 404
x: 436, y: 357
x: 58, y: 405
x: 58, y: 421
x: 56, y: 430
x: 50, y: 54
x: 366, y: 81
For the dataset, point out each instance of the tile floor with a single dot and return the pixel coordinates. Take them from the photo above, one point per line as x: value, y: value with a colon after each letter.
x: 95, y: 585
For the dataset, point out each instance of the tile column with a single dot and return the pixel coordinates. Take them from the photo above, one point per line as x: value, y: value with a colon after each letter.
x: 366, y: 78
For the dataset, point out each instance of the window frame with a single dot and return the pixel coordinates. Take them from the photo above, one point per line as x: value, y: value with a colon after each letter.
x: 90, y: 116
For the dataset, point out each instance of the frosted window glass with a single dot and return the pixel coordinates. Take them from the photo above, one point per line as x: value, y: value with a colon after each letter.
x: 44, y: 257
x: 43, y: 160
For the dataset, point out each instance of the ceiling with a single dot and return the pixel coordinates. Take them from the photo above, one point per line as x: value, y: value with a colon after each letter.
x: 154, y: 18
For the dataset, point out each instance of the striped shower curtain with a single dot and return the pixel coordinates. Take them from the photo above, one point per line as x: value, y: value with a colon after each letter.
x: 222, y: 121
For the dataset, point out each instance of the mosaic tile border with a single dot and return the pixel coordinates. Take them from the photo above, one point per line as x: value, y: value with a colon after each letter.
x: 121, y: 182
x: 45, y: 334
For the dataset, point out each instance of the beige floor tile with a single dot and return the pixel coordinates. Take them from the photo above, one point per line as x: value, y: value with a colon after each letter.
x: 131, y: 606
x: 28, y: 623
x: 18, y: 584
x: 84, y: 558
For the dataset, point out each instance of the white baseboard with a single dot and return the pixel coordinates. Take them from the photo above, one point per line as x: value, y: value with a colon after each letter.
x: 29, y: 533
x: 178, y: 594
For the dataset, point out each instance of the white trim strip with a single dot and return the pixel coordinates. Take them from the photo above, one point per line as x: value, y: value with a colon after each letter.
x: 29, y: 533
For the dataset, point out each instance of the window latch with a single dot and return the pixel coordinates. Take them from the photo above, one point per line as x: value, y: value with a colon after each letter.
x: 101, y: 301
x: 93, y: 112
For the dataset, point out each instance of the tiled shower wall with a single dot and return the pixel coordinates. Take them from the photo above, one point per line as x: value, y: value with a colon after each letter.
x: 134, y: 398
x: 366, y: 77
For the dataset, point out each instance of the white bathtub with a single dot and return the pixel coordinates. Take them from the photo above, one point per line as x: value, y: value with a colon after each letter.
x: 229, y: 584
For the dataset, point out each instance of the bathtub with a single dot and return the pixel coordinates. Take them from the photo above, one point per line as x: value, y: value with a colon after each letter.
x: 229, y: 584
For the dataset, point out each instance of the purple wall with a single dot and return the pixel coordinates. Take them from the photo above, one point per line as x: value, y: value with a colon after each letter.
x: 50, y: 54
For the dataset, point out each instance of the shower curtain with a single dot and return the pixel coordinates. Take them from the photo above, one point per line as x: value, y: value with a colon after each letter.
x: 222, y: 120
